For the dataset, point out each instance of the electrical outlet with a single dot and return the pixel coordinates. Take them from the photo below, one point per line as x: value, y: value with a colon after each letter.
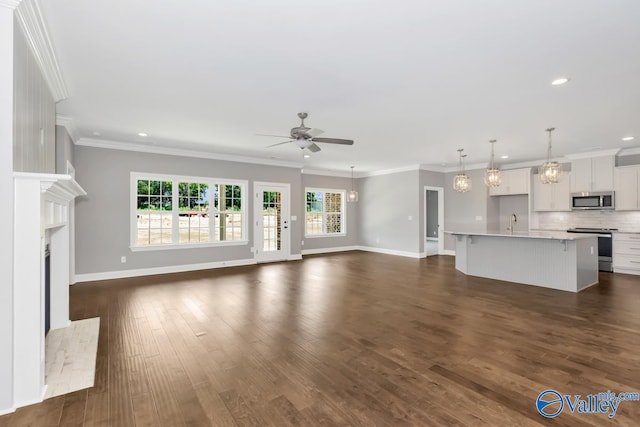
x: 410, y: 218
x: 294, y: 218
x: 123, y: 259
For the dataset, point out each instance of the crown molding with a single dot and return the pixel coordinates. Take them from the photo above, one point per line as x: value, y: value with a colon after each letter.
x: 69, y: 124
x: 11, y: 4
x: 328, y: 172
x: 390, y: 171
x: 591, y: 154
x: 126, y: 146
x: 35, y: 30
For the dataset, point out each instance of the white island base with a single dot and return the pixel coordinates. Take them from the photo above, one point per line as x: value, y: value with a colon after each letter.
x: 568, y: 262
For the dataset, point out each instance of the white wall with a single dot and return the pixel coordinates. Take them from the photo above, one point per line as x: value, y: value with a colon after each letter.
x: 6, y: 213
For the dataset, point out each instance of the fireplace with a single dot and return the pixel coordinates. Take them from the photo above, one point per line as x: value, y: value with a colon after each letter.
x: 43, y: 203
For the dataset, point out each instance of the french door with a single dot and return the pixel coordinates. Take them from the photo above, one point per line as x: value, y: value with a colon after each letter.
x: 272, y: 228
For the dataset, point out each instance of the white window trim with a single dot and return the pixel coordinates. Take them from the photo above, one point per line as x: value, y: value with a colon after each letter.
x: 175, y: 179
x: 343, y: 210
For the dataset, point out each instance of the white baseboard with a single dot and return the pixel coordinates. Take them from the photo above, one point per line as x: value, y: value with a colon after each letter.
x: 449, y: 252
x: 5, y: 411
x: 432, y: 239
x: 329, y: 250
x: 295, y: 257
x: 121, y: 274
x: 390, y: 252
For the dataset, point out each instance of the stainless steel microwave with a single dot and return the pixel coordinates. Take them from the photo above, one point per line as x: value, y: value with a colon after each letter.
x: 596, y: 201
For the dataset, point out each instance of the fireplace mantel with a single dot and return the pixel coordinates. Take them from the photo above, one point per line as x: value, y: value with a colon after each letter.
x: 42, y: 206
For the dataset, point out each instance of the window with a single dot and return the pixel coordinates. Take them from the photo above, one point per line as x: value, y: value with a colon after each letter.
x: 186, y: 211
x: 324, y: 212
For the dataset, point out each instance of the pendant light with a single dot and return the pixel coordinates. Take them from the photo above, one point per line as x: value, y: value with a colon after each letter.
x: 492, y: 176
x: 550, y: 171
x: 461, y: 182
x: 352, y: 196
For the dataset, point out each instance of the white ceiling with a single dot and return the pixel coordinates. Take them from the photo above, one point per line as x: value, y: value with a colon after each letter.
x: 410, y: 81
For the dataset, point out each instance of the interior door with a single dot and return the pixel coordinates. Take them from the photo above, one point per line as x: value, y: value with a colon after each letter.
x: 272, y: 222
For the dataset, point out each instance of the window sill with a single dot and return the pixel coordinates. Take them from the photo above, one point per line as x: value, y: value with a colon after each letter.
x: 188, y: 246
x: 316, y: 236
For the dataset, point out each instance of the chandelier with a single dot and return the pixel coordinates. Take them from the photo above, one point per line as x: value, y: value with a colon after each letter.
x: 461, y: 182
x: 550, y: 171
x: 352, y: 196
x: 492, y: 176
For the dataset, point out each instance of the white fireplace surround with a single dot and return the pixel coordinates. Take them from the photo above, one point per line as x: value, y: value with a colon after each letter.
x: 43, y: 206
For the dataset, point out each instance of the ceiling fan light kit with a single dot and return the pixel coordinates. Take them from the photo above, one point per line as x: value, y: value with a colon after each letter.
x: 305, y: 137
x: 461, y: 182
x: 550, y: 171
x: 492, y: 176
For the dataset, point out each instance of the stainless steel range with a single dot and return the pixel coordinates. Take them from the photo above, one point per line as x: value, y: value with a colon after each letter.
x: 605, y: 245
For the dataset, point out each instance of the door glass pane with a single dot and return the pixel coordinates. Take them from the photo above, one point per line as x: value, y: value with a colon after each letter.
x: 272, y: 219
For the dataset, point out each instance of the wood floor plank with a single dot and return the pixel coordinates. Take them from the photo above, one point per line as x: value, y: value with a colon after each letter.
x: 349, y: 339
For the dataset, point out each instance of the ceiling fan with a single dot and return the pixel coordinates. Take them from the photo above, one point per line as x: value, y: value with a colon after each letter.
x: 305, y: 137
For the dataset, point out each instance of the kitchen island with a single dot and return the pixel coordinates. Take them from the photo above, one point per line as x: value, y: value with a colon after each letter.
x: 557, y: 260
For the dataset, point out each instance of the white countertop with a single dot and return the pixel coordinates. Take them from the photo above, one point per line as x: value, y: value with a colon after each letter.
x: 555, y: 235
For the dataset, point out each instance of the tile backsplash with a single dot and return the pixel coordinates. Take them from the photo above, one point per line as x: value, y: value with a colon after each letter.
x: 624, y: 221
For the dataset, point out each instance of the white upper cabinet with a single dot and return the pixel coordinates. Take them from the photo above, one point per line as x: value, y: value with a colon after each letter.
x: 514, y: 181
x: 592, y: 174
x: 627, y: 187
x: 552, y: 197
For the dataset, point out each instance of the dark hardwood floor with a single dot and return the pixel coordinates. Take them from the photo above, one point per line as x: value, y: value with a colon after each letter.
x: 347, y: 339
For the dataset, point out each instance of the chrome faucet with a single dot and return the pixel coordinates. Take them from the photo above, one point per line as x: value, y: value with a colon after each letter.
x: 512, y: 220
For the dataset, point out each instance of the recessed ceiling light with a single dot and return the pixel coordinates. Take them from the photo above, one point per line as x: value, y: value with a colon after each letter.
x: 504, y: 157
x: 306, y: 156
x: 560, y: 81
x: 96, y: 133
x: 142, y: 134
x: 628, y: 138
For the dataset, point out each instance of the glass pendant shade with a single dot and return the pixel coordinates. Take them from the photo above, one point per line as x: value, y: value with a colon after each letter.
x: 352, y: 195
x: 461, y: 182
x: 492, y: 176
x: 550, y: 171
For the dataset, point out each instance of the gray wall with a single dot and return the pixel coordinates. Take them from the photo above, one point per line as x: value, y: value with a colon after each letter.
x: 518, y: 204
x: 384, y: 206
x: 102, y: 217
x: 6, y: 213
x: 64, y: 149
x: 34, y: 109
x: 461, y: 209
x: 331, y: 182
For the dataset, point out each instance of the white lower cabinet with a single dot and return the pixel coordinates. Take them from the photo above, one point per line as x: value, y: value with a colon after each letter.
x: 626, y: 253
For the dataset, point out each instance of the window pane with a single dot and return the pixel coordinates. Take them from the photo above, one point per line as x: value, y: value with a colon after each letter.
x: 155, y: 236
x: 154, y: 188
x: 334, y: 223
x: 143, y: 202
x: 183, y: 189
x: 143, y: 186
x: 143, y: 237
x: 167, y: 188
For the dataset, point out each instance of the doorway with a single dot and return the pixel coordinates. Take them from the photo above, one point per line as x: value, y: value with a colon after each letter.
x: 272, y: 233
x: 434, y: 220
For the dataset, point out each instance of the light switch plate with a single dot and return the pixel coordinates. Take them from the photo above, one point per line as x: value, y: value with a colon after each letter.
x: 478, y: 217
x: 294, y: 218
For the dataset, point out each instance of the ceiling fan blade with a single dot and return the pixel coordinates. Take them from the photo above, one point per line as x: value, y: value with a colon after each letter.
x: 313, y: 148
x: 314, y: 132
x: 275, y: 136
x: 279, y: 143
x: 333, y: 141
